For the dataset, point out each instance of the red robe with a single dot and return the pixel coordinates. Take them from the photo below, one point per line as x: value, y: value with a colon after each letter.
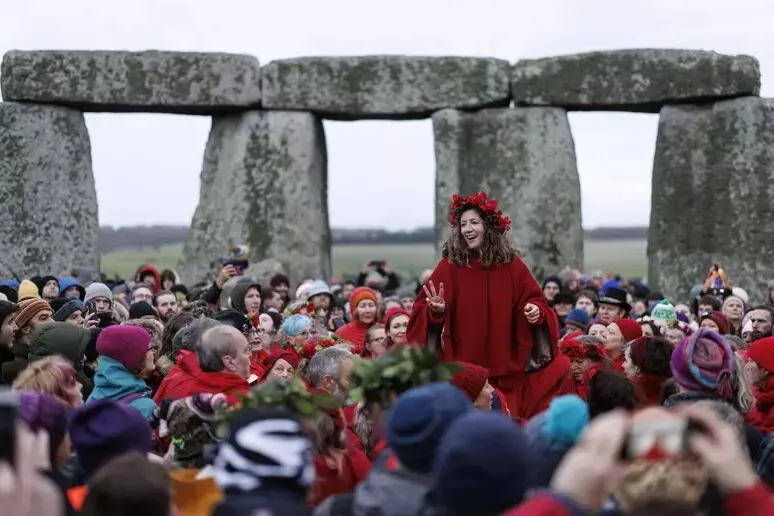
x: 484, y: 324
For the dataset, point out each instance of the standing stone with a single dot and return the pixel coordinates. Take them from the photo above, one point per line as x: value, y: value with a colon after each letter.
x: 263, y: 183
x: 524, y: 158
x: 638, y: 80
x: 712, y: 196
x: 394, y: 87
x: 48, y: 219
x: 118, y: 81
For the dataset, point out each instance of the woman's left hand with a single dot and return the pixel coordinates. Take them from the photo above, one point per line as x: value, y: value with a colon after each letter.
x: 532, y: 313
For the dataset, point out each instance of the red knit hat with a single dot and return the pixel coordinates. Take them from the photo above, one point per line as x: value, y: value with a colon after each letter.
x: 718, y: 318
x: 393, y: 312
x: 125, y: 344
x: 630, y: 328
x: 358, y: 295
x: 288, y: 355
x: 762, y: 352
x: 471, y: 379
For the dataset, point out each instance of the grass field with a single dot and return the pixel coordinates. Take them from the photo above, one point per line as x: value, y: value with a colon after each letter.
x: 626, y: 257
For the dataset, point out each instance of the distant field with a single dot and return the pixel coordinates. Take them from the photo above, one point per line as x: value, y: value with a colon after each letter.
x: 623, y: 256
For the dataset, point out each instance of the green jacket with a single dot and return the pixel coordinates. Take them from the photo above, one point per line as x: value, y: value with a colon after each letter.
x: 66, y: 340
x: 11, y: 369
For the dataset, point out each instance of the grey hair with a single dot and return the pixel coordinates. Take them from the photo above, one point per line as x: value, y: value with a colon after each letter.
x: 590, y: 340
x: 743, y: 392
x: 735, y: 342
x: 191, y: 334
x: 216, y: 343
x: 325, y: 363
x: 730, y: 415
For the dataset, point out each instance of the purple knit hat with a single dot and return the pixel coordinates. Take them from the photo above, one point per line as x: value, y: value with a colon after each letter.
x: 704, y: 362
x: 104, y: 429
x: 44, y: 412
x: 125, y: 344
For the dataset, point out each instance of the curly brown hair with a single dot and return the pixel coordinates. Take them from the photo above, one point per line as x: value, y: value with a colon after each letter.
x: 495, y: 250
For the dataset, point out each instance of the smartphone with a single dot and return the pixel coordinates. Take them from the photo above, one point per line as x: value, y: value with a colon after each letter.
x: 9, y: 416
x: 659, y: 439
x: 91, y: 307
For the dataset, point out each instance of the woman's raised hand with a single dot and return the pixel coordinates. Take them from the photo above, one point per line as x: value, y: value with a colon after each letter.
x: 435, y: 298
x: 532, y: 313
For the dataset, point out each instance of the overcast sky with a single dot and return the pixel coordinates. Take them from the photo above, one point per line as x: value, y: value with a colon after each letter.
x: 147, y: 166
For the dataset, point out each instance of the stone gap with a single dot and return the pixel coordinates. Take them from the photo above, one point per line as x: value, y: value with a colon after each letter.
x: 267, y: 143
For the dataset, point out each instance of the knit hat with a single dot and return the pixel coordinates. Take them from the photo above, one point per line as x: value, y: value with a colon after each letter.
x: 483, y: 465
x: 265, y: 448
x: 578, y: 317
x: 704, y: 362
x: 103, y: 429
x: 67, y: 309
x: 471, y: 379
x: 762, y: 353
x: 125, y: 344
x: 30, y: 308
x: 7, y: 308
x: 418, y: 421
x: 394, y: 312
x: 361, y: 294
x: 234, y: 319
x: 609, y: 284
x: 44, y: 412
x: 96, y: 290
x: 141, y: 309
x: 552, y: 279
x: 566, y: 418
x: 67, y: 282
x: 289, y: 356
x: 718, y: 318
x: 629, y: 328
x: 28, y: 290
x: 664, y: 311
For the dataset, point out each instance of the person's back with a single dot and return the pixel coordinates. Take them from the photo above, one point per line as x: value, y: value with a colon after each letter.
x: 129, y: 485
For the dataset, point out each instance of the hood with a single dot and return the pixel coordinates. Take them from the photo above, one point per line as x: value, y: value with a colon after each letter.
x: 67, y: 282
x: 385, y: 493
x: 156, y: 276
x: 238, y: 295
x: 114, y: 381
x: 60, y: 338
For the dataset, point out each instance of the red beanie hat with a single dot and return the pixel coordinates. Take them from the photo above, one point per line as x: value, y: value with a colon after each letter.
x: 358, y: 295
x: 762, y: 352
x: 393, y: 312
x: 471, y: 379
x: 124, y: 344
x: 718, y: 318
x: 288, y: 355
x: 630, y: 328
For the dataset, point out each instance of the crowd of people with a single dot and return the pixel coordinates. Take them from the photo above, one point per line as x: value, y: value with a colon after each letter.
x: 472, y: 390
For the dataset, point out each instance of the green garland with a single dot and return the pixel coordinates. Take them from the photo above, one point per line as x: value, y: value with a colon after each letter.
x: 402, y: 368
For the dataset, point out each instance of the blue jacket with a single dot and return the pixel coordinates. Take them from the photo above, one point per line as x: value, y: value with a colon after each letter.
x: 115, y: 382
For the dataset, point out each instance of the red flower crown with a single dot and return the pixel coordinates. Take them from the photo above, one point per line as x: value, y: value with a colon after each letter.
x: 487, y: 207
x: 575, y: 350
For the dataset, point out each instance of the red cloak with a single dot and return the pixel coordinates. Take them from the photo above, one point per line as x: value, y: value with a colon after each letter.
x: 484, y: 324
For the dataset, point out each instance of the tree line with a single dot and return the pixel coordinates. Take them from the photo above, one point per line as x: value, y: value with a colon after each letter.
x: 153, y: 237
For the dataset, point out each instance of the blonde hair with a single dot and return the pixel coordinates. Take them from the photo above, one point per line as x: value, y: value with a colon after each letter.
x: 495, y: 250
x: 45, y: 376
x: 120, y: 313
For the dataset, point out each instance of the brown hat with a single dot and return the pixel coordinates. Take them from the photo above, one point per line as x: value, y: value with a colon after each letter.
x: 29, y: 308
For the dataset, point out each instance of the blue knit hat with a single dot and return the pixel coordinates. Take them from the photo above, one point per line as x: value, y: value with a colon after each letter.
x: 578, y: 317
x: 552, y: 279
x: 104, y: 429
x: 418, y: 421
x: 483, y: 465
x: 609, y: 284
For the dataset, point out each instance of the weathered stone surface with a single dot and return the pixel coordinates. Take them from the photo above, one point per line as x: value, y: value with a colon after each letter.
x: 48, y: 220
x: 362, y: 87
x: 524, y: 158
x: 263, y: 183
x: 115, y: 81
x: 639, y: 80
x: 713, y: 181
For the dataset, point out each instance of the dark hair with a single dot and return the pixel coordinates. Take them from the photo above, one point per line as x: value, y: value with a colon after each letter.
x: 588, y: 293
x: 495, y: 250
x: 266, y: 294
x: 163, y: 293
x: 199, y: 308
x: 656, y: 329
x: 767, y: 308
x: 129, y: 485
x: 167, y: 274
x: 609, y: 390
x: 658, y: 353
x: 714, y: 302
x: 175, y: 324
x: 654, y: 296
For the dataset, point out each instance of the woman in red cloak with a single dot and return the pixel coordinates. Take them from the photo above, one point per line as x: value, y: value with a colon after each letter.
x: 482, y: 305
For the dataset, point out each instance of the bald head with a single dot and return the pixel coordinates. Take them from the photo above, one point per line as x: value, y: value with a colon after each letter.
x: 224, y: 349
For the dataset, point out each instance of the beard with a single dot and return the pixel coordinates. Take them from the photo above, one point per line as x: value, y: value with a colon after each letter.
x: 340, y: 393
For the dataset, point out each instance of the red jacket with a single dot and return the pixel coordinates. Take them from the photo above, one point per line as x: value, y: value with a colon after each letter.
x: 186, y: 379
